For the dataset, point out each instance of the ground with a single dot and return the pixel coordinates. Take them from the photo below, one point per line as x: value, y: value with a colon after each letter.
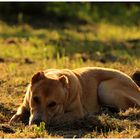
x: 26, y: 49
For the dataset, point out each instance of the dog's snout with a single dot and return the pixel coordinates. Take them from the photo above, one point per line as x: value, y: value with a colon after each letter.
x: 36, y: 121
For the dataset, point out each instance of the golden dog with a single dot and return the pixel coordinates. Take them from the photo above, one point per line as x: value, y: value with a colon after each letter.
x: 70, y: 94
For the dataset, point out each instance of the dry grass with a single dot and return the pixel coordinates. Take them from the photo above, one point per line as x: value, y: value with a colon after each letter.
x: 24, y: 51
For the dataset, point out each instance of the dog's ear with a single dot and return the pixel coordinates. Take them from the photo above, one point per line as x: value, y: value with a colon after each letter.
x: 37, y: 77
x: 64, y: 80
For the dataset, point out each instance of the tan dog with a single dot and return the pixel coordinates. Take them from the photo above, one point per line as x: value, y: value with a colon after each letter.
x: 69, y: 94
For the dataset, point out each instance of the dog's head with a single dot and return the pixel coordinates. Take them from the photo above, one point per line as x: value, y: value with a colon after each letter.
x: 48, y: 96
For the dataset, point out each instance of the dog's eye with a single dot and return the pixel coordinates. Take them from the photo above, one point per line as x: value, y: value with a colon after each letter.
x: 36, y: 100
x: 52, y: 104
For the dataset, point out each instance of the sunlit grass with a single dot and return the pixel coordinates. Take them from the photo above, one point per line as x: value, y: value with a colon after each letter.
x: 25, y: 50
x: 117, y: 33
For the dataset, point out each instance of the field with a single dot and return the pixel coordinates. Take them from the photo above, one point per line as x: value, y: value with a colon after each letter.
x: 26, y: 49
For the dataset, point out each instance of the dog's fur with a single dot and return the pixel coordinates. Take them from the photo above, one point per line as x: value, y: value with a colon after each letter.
x: 136, y: 77
x: 69, y: 94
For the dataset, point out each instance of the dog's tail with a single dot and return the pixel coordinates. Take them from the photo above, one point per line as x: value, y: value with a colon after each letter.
x: 136, y: 77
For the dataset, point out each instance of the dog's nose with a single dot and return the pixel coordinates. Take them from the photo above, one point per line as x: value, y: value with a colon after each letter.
x: 36, y: 121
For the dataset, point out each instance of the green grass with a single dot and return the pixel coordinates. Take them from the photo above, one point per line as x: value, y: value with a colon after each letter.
x: 25, y: 50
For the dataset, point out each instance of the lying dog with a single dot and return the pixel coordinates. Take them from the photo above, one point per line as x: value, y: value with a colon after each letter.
x: 70, y: 94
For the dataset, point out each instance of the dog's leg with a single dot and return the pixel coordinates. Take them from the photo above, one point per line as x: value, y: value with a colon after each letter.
x: 116, y: 93
x: 23, y: 110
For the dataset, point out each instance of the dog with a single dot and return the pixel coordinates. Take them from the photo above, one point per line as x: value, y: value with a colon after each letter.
x: 66, y: 95
x: 136, y: 77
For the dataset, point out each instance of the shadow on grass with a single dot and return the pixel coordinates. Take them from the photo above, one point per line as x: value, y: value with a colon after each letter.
x: 4, y: 110
x: 105, y: 121
x: 101, y: 123
x: 76, y: 128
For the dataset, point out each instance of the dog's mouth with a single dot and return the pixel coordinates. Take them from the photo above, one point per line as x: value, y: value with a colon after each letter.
x: 39, y: 120
x: 36, y: 121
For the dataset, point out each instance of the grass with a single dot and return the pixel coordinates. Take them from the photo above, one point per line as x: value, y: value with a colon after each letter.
x: 24, y: 50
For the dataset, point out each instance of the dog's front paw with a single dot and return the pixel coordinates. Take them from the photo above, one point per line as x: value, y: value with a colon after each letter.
x: 16, y: 118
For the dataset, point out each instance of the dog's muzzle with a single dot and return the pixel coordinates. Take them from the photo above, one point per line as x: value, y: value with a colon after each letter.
x: 35, y: 121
